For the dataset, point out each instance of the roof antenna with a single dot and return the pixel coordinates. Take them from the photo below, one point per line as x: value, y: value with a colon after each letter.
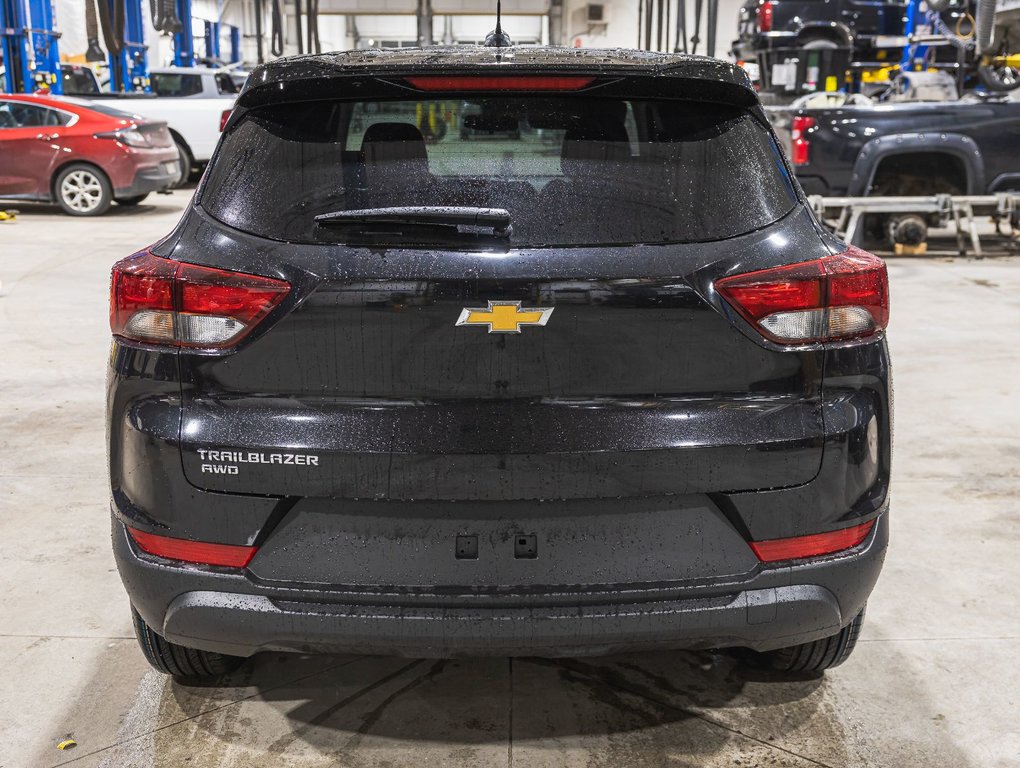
x: 497, y: 38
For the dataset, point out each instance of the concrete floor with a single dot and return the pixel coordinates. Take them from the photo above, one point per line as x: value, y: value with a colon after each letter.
x: 933, y: 683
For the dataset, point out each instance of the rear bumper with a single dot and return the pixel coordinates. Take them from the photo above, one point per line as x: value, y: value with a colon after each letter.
x: 150, y: 178
x: 234, y: 613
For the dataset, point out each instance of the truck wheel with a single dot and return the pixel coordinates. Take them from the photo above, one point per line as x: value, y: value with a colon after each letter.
x: 820, y: 44
x: 178, y: 660
x: 817, y: 656
x: 184, y: 158
x: 128, y: 202
x: 83, y: 190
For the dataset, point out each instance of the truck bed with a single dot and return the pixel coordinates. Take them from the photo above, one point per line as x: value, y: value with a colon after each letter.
x: 962, y: 147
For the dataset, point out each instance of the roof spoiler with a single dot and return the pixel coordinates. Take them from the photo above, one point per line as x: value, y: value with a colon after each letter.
x: 722, y: 85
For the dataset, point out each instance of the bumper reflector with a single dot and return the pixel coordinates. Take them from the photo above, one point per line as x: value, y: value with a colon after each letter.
x: 202, y: 552
x: 814, y: 545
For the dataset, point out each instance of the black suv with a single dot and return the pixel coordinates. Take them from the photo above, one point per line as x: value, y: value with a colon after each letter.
x: 602, y: 385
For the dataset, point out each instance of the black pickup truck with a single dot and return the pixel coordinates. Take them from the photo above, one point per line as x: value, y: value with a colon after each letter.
x: 771, y: 32
x: 965, y: 147
x: 962, y: 148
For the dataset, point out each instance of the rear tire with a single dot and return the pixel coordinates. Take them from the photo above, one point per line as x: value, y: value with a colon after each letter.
x: 820, y: 44
x: 184, y: 158
x: 83, y: 190
x: 178, y: 660
x: 817, y: 656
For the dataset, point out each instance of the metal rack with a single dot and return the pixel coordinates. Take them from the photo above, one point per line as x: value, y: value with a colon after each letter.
x: 844, y: 215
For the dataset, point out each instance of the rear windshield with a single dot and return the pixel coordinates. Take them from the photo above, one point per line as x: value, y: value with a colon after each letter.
x: 225, y: 84
x: 78, y: 80
x: 105, y: 110
x: 175, y: 84
x: 569, y: 170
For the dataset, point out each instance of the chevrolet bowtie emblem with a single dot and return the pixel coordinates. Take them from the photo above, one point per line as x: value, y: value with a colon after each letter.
x: 505, y: 316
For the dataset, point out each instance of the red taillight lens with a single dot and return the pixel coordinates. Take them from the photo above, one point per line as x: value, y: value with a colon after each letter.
x: 202, y: 552
x: 170, y: 303
x: 839, y: 297
x: 499, y: 83
x: 224, y: 116
x: 814, y: 545
x: 764, y: 16
x: 800, y: 147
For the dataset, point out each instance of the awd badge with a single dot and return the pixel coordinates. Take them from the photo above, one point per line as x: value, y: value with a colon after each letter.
x: 505, y: 316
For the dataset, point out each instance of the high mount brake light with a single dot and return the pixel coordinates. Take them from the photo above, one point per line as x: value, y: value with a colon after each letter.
x: 764, y: 13
x: 800, y: 146
x: 187, y: 551
x: 814, y: 545
x: 166, y: 302
x: 500, y: 82
x: 845, y: 296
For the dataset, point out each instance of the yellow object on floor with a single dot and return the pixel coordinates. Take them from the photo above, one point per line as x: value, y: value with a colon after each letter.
x: 910, y: 250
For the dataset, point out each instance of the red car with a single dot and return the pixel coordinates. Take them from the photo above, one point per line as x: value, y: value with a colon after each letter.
x: 80, y: 155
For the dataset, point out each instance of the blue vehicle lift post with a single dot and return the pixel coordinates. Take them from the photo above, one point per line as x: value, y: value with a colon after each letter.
x: 17, y: 55
x: 184, y: 41
x: 129, y: 69
x: 913, y: 52
x: 235, y: 44
x: 212, y: 39
x: 44, y: 46
x: 29, y: 44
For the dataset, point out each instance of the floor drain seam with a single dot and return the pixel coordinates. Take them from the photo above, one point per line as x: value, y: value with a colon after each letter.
x: 327, y: 713
x: 696, y: 714
x: 510, y: 716
x: 200, y: 714
x: 68, y: 637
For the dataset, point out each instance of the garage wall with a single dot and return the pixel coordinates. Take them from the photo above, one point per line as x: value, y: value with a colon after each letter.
x: 622, y: 27
x: 453, y: 21
x: 70, y: 20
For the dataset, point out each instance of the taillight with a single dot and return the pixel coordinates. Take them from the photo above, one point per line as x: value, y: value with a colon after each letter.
x: 166, y: 302
x: 500, y: 82
x: 764, y: 16
x: 800, y: 149
x: 224, y: 116
x: 814, y: 545
x: 132, y: 137
x: 188, y: 551
x: 839, y: 297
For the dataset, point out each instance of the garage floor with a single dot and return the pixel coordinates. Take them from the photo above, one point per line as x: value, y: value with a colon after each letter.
x: 933, y: 683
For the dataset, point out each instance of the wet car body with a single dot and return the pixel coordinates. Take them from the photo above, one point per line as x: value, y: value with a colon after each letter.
x: 405, y: 484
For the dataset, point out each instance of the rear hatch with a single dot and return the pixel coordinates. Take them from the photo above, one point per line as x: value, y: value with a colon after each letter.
x: 635, y: 386
x: 579, y: 354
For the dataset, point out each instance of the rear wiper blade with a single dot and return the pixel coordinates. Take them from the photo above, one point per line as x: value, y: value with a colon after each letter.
x: 496, y: 218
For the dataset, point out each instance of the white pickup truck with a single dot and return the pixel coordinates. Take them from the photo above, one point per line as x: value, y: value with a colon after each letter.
x: 192, y: 101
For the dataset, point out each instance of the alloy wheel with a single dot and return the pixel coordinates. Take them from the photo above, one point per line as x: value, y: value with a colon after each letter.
x: 81, y: 191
